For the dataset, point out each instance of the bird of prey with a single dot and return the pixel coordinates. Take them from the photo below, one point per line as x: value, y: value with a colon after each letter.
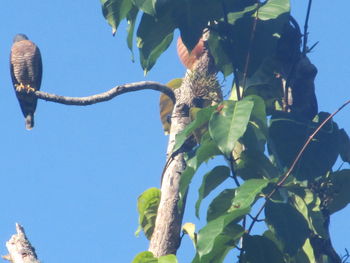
x: 26, y: 73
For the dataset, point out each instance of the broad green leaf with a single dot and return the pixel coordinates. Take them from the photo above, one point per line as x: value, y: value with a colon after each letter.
x: 229, y: 122
x: 147, y: 206
x: 254, y: 164
x: 259, y: 249
x: 153, y: 38
x: 223, y: 244
x: 168, y: 259
x: 211, y: 234
x: 220, y: 204
x: 211, y: 180
x: 288, y: 224
x: 190, y: 230
x: 145, y: 257
x: 131, y: 18
x: 166, y: 105
x: 114, y: 11
x: 272, y: 9
x: 340, y: 193
x: 247, y: 193
x: 147, y: 6
x: 288, y: 135
x: 202, y: 117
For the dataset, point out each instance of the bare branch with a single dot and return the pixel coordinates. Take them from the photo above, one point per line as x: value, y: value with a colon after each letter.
x: 105, y: 96
x: 20, y: 249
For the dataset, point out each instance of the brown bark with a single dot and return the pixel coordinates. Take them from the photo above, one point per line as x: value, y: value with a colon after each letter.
x: 166, y: 236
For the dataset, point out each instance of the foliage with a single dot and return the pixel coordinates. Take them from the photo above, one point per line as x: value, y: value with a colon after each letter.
x: 260, y: 44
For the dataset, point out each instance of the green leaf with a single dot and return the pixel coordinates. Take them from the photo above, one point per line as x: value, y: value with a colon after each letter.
x: 147, y: 6
x: 247, y: 193
x: 131, y: 18
x: 114, y: 11
x: 147, y: 206
x: 340, y: 194
x: 212, y: 234
x: 145, y: 257
x: 211, y: 180
x: 288, y: 224
x: 168, y: 259
x: 220, y: 204
x: 259, y: 249
x: 229, y: 122
x: 223, y: 243
x: 272, y: 9
x: 202, y: 117
x: 255, y: 164
x: 153, y: 38
x: 288, y: 135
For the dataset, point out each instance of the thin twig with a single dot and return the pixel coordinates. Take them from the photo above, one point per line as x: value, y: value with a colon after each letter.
x: 105, y: 96
x: 305, y: 49
x: 285, y: 177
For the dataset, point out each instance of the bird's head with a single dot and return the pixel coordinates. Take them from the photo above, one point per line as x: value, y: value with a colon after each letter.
x: 19, y: 37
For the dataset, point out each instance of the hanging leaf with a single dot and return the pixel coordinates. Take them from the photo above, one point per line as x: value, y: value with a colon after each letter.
x: 259, y: 249
x: 153, y: 38
x: 340, y: 194
x: 147, y: 206
x: 288, y: 224
x: 223, y: 243
x: 211, y: 180
x: 114, y: 11
x: 220, y: 204
x: 212, y: 234
x: 131, y: 19
x: 229, y: 122
x: 166, y: 105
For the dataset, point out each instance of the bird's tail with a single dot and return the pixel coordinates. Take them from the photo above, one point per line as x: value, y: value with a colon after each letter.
x: 29, y: 121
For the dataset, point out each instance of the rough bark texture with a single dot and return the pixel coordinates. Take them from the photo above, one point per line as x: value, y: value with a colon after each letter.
x: 20, y: 249
x: 166, y: 236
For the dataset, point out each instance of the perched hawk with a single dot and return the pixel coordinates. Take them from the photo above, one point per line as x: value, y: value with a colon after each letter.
x: 26, y: 73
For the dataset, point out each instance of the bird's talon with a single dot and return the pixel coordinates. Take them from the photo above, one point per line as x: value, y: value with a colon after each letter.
x: 20, y: 87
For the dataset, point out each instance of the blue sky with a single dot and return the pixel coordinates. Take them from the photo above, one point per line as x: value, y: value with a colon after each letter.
x: 73, y: 181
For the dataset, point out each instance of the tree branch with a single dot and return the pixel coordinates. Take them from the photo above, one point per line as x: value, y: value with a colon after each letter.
x: 105, y: 96
x: 20, y: 249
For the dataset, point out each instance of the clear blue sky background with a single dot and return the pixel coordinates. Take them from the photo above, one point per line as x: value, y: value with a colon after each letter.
x: 73, y: 181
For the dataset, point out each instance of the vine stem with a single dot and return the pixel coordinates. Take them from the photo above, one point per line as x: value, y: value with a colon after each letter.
x: 285, y: 177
